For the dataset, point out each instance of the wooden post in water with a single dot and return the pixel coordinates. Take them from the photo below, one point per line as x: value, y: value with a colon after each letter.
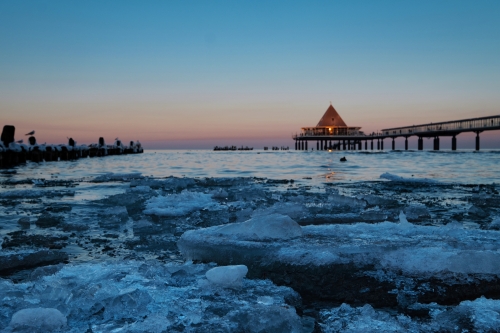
x: 454, y: 143
x: 477, y: 140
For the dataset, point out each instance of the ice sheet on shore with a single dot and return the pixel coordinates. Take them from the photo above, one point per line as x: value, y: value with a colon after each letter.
x: 435, y: 262
x: 151, y: 297
x: 401, y: 246
x: 180, y: 204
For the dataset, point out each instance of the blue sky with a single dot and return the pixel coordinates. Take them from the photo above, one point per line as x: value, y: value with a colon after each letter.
x: 199, y: 73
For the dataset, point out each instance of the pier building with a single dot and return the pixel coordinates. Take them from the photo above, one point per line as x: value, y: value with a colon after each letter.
x: 330, y: 127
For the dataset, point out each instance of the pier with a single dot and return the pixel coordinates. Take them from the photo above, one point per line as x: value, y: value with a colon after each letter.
x: 13, y: 153
x: 332, y: 133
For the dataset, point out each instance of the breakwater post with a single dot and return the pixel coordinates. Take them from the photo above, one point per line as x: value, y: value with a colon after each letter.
x: 14, y: 153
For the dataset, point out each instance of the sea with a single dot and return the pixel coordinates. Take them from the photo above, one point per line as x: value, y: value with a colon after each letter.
x: 253, y: 241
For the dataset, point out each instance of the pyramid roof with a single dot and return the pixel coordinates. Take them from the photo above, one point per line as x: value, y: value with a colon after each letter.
x: 331, y: 118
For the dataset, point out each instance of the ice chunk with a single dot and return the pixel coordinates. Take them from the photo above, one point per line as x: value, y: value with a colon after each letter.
x: 38, y: 320
x: 477, y: 212
x: 362, y: 319
x: 417, y: 213
x: 395, y: 178
x: 24, y: 222
x: 23, y: 260
x: 47, y: 220
x: 180, y: 204
x: 294, y: 210
x: 227, y: 276
x: 345, y: 201
x: 133, y: 296
x: 274, y: 226
x: 420, y: 253
x: 219, y: 194
x: 374, y: 200
x: 402, y: 220
x: 178, y: 183
x: 117, y: 177
x: 495, y: 224
x: 267, y: 318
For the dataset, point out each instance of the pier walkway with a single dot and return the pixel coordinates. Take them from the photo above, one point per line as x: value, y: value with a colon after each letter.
x: 354, y: 141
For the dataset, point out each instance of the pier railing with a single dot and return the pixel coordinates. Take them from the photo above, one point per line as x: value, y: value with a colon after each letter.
x: 452, y: 127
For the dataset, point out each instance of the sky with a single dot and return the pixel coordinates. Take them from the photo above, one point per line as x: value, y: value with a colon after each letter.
x: 195, y: 74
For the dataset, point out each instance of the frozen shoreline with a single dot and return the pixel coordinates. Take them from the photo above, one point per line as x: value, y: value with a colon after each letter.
x: 446, y: 238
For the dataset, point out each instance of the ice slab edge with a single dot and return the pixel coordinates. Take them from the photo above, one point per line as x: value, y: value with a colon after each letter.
x: 387, y: 264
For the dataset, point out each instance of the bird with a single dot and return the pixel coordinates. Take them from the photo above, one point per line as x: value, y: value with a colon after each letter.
x: 20, y: 141
x: 343, y: 159
x: 30, y: 133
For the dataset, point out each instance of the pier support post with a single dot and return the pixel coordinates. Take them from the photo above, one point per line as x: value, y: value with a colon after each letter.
x: 306, y: 145
x: 393, y: 144
x: 325, y: 146
x: 406, y: 143
x: 436, y: 143
x: 348, y: 144
x: 454, y: 143
x: 378, y: 144
x: 302, y: 143
x: 360, y: 147
x: 317, y: 145
x: 477, y: 141
x: 382, y: 144
x: 366, y: 144
x: 372, y: 144
x: 330, y: 146
x: 295, y: 144
x: 420, y: 143
x: 343, y: 144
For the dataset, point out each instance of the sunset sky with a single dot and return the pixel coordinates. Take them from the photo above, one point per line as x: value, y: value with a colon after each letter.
x: 194, y: 74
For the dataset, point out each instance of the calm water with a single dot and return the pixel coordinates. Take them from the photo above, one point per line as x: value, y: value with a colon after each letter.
x: 462, y: 166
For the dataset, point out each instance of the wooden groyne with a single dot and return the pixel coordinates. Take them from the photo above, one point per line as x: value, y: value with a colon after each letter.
x: 13, y: 153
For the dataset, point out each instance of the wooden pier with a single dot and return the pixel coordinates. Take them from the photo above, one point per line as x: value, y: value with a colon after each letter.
x: 13, y: 153
x: 331, y: 136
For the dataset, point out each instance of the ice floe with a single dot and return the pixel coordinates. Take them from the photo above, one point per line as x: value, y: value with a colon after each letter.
x: 379, y: 256
x: 180, y: 204
x: 396, y: 178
